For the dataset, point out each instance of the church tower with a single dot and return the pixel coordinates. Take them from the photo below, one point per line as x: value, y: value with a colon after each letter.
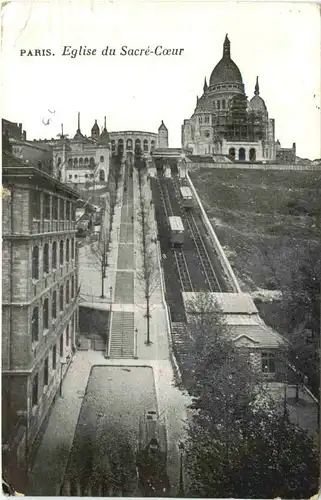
x: 162, y: 136
x: 95, y: 131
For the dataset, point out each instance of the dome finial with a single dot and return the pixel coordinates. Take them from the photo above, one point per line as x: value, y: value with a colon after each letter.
x: 205, y: 85
x: 227, y: 47
x: 257, y: 89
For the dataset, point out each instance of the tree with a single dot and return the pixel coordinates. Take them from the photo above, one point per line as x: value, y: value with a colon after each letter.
x: 148, y: 274
x: 270, y: 457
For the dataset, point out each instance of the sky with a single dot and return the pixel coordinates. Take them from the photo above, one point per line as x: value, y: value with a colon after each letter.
x: 279, y: 42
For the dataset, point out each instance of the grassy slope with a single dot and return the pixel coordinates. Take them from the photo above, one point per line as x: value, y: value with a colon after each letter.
x: 249, y: 212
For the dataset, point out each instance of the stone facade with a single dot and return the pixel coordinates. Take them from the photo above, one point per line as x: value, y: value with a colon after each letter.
x: 39, y: 294
x: 226, y: 122
x: 35, y: 154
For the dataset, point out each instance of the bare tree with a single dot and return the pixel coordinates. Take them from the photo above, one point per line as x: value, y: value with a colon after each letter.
x: 148, y: 275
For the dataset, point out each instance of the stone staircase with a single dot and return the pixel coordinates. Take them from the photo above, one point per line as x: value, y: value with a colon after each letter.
x: 182, y: 345
x: 122, y: 336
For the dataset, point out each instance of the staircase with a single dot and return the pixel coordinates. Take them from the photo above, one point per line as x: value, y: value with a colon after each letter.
x: 122, y: 336
x: 183, y: 344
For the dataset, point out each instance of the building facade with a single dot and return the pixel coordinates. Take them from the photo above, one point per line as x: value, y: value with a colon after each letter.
x: 226, y: 122
x: 13, y: 130
x: 39, y: 300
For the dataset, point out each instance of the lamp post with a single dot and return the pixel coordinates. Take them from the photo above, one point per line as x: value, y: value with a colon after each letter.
x: 109, y: 319
x: 136, y: 335
x: 181, y: 448
x: 68, y: 359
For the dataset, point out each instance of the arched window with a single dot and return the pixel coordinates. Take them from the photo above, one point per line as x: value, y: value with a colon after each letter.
x: 138, y: 147
x: 61, y: 253
x: 59, y: 161
x: 75, y: 161
x: 102, y: 159
x: 54, y: 255
x: 145, y: 145
x: 86, y: 161
x: 129, y: 144
x: 67, y: 292
x: 45, y: 314
x: 152, y: 145
x: 252, y: 154
x: 54, y: 304
x: 218, y: 105
x: 113, y: 145
x: 223, y: 104
x: 35, y: 263
x: 46, y: 206
x: 46, y: 258
x: 67, y: 250
x: 241, y: 154
x: 81, y: 161
x: 70, y: 162
x: 231, y: 152
x: 55, y: 208
x: 91, y: 161
x: 35, y: 325
x: 61, y: 298
x: 101, y: 175
x: 62, y: 209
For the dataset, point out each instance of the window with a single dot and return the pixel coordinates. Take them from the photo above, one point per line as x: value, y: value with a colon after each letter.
x: 86, y: 176
x: 46, y: 206
x: 67, y: 335
x: 101, y: 175
x: 207, y: 119
x: 129, y: 144
x: 61, y: 253
x: 35, y: 390
x: 67, y: 292
x: 91, y: 161
x: 35, y: 263
x: 223, y: 104
x: 145, y: 145
x: 45, y: 312
x: 61, y: 345
x: 72, y: 287
x: 54, y: 305
x: 67, y: 250
x: 54, y: 255
x: 81, y: 161
x: 76, y: 176
x: 70, y: 162
x: 218, y: 105
x: 102, y: 159
x: 113, y: 146
x: 61, y: 298
x: 55, y: 208
x: 152, y: 145
x: 75, y: 161
x: 86, y: 161
x: 268, y: 362
x: 241, y: 154
x: 70, y: 176
x: 35, y: 325
x: 46, y: 372
x: 35, y: 205
x: 46, y: 258
x: 72, y: 248
x: 68, y: 210
x: 200, y: 119
x: 73, y: 211
x: 252, y: 154
x: 54, y: 357
x: 62, y: 209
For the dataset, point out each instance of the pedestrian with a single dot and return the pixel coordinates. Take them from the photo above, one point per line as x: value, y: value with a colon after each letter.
x: 132, y: 219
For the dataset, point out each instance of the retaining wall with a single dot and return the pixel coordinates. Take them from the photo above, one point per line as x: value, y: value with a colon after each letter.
x: 219, y: 250
x: 256, y: 166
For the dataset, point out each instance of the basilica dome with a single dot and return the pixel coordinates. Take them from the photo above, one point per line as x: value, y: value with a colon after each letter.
x: 226, y: 70
x: 257, y: 103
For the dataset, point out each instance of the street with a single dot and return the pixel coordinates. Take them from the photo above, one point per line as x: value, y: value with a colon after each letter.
x: 103, y: 454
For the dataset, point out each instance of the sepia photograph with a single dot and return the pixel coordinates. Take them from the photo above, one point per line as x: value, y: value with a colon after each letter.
x: 161, y: 249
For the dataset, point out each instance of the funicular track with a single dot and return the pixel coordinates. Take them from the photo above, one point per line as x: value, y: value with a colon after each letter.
x: 205, y: 260
x: 180, y: 260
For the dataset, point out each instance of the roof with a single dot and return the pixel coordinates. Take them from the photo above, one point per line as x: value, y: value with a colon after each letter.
x: 186, y: 192
x: 256, y: 336
x: 14, y: 167
x: 230, y: 303
x: 176, y: 223
x: 257, y: 103
x: 226, y: 69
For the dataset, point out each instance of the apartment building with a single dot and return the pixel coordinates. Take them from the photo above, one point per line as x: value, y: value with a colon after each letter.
x: 39, y: 300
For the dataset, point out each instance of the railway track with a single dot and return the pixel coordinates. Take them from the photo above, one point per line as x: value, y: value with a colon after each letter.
x: 165, y: 199
x: 183, y: 272
x: 205, y: 260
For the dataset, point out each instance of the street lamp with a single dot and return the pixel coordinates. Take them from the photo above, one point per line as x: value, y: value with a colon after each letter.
x: 181, y: 448
x: 68, y: 359
x: 136, y: 335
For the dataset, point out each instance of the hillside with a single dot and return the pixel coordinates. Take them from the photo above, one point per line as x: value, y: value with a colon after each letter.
x: 268, y: 223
